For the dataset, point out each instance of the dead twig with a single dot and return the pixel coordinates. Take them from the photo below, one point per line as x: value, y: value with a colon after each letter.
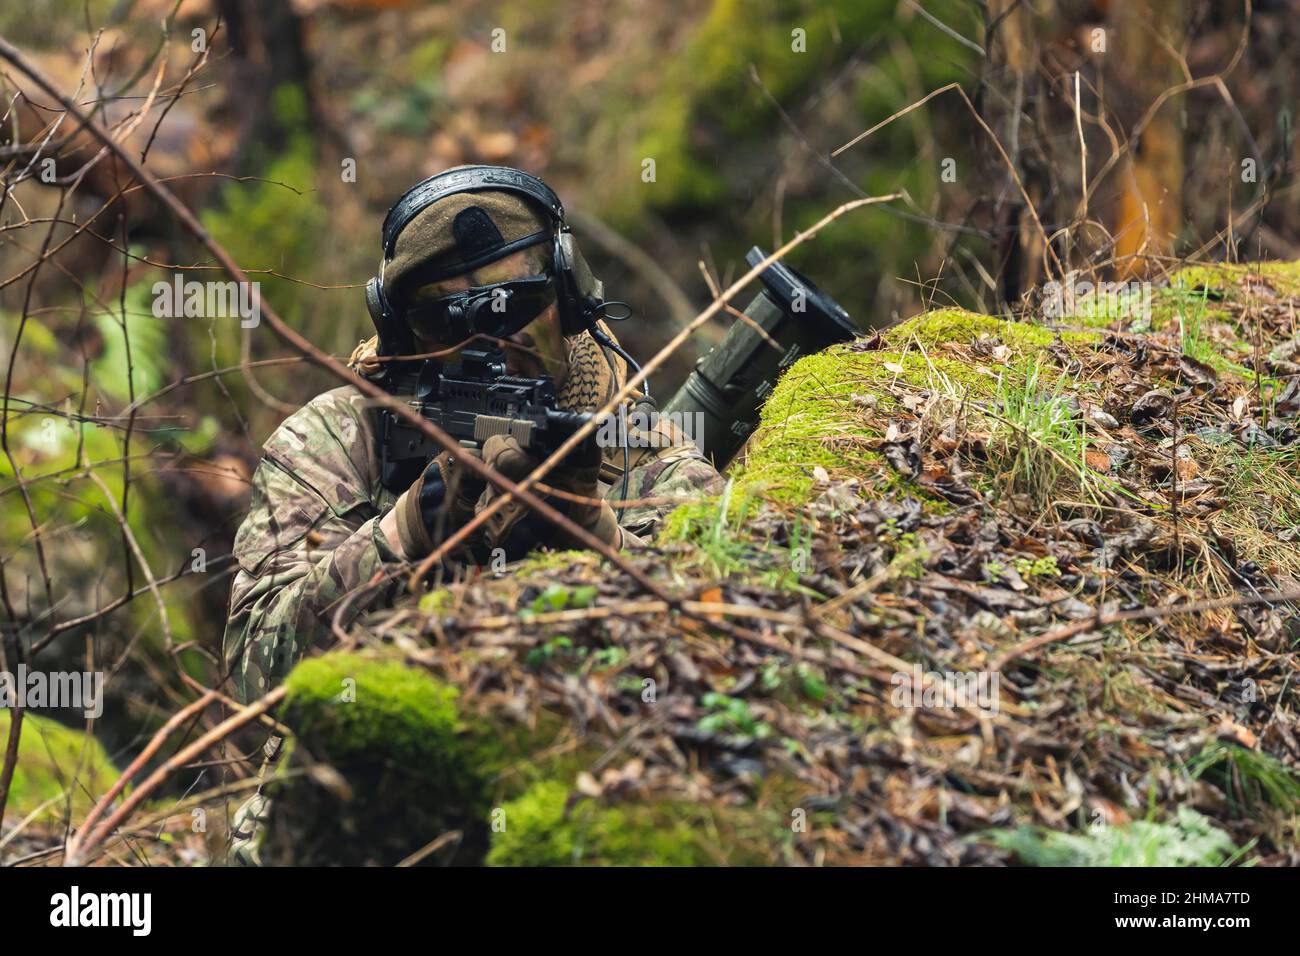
x: 1099, y: 621
x: 177, y: 760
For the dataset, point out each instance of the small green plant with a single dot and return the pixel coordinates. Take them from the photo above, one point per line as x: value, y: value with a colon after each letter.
x: 629, y: 683
x: 910, y: 555
x: 1188, y: 840
x: 1191, y: 305
x: 712, y: 533
x: 551, y: 649
x: 1249, y: 778
x: 811, y: 683
x: 1038, y: 568
x: 607, y: 657
x: 731, y: 715
x: 436, y: 602
x: 557, y: 597
x: 804, y: 678
x: 1038, y: 440
x: 726, y: 549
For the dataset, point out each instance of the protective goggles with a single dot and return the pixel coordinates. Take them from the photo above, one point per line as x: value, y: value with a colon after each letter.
x: 497, y: 310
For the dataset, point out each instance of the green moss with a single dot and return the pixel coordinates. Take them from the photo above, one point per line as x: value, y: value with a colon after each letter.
x: 542, y: 562
x: 436, y: 602
x: 827, y: 408
x: 1229, y: 278
x: 351, y: 705
x: 410, y: 763
x: 933, y: 329
x: 813, y: 417
x: 54, y: 760
x: 810, y: 421
x: 1189, y: 839
x: 540, y: 828
x: 399, y: 771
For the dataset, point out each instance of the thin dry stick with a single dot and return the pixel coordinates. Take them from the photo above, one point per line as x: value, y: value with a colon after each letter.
x: 497, y: 622
x: 1098, y: 621
x: 145, y: 825
x: 137, y: 764
x: 852, y: 594
x: 127, y: 533
x: 1173, y: 494
x: 433, y: 846
x: 944, y: 28
x: 898, y: 665
x: 1015, y: 176
x: 817, y: 629
x: 173, y: 763
x: 1083, y: 149
x: 732, y: 310
x: 267, y: 721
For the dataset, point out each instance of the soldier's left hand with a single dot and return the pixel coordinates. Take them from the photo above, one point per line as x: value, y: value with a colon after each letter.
x: 517, y: 529
x: 441, y: 501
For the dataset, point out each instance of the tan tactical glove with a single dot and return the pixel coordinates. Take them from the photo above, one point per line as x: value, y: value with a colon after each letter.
x: 517, y: 529
x: 439, y: 503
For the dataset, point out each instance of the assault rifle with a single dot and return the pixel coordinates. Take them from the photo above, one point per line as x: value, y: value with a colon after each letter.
x: 471, y: 401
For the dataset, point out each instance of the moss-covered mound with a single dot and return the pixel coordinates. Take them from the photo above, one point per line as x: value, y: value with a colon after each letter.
x: 58, y: 767
x: 384, y: 763
x: 888, y: 646
x: 831, y: 410
x: 375, y: 742
x: 546, y: 827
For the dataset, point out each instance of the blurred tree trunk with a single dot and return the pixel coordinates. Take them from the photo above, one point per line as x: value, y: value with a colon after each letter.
x: 268, y: 46
x: 1148, y: 214
x: 1011, y: 85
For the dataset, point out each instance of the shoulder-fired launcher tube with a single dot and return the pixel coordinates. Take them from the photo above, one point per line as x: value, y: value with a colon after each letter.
x: 728, y: 386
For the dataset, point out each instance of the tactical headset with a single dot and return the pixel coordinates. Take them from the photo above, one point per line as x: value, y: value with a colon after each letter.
x: 579, y: 295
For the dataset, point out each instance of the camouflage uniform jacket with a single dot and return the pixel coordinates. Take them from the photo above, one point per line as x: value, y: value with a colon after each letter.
x: 312, y: 536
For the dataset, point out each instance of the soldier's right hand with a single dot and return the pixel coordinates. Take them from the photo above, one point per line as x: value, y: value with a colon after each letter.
x: 439, y: 503
x: 517, y: 530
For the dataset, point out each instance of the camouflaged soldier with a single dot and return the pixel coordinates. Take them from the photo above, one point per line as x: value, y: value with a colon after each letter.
x: 328, y: 514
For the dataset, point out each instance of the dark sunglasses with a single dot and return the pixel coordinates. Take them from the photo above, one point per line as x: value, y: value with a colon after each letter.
x: 497, y: 310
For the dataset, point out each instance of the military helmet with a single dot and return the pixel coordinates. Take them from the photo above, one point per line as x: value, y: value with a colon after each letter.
x: 464, y: 218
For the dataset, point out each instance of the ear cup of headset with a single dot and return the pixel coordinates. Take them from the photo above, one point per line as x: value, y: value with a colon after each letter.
x: 394, y: 337
x: 375, y: 304
x: 578, y: 292
x: 566, y: 298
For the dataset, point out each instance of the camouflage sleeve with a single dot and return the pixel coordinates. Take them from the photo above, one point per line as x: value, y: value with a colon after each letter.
x: 670, y: 468
x: 311, y: 538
